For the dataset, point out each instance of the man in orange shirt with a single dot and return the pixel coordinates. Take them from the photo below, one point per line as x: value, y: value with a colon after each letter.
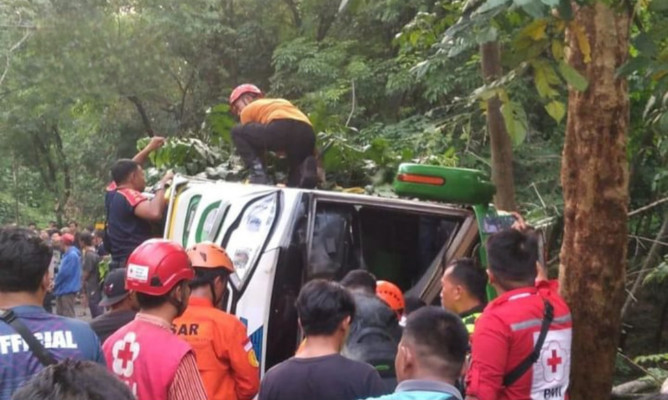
x: 277, y: 125
x: 225, y: 355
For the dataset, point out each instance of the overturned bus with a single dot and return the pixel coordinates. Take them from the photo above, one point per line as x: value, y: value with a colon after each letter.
x: 280, y: 238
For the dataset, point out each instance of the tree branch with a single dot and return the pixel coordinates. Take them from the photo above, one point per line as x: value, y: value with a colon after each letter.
x: 8, y: 56
x: 295, y: 13
x: 647, y: 207
x: 142, y: 112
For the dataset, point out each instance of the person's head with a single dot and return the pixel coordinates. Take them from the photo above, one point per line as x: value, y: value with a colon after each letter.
x: 85, y: 239
x: 325, y: 308
x: 243, y: 95
x: 392, y: 296
x: 55, y: 240
x: 158, y: 271
x: 32, y: 226
x: 53, y: 225
x: 74, y: 380
x: 463, y: 286
x: 128, y: 173
x: 73, y: 225
x: 98, y: 237
x: 360, y: 280
x: 433, y: 346
x: 66, y: 241
x: 212, y: 267
x: 24, y: 262
x: 512, y: 257
x: 44, y: 235
x: 114, y: 294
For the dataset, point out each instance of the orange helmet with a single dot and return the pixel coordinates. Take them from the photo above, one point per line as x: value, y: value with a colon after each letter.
x: 210, y: 255
x: 241, y: 90
x: 390, y: 294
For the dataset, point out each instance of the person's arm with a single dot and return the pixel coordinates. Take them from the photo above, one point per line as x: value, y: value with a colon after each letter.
x: 489, y: 357
x: 243, y: 363
x: 155, y: 143
x: 152, y: 210
x: 87, y: 266
x: 187, y: 383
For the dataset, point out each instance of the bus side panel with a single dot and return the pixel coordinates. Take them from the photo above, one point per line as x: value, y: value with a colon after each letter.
x: 253, y: 306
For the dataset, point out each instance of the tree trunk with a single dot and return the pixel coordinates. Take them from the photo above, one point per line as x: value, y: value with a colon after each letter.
x: 594, y: 175
x: 142, y: 113
x: 502, y: 150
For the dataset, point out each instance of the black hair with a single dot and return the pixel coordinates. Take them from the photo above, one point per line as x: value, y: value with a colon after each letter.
x: 512, y: 257
x: 322, y: 305
x: 122, y: 169
x: 74, y: 380
x: 147, y: 301
x: 470, y: 275
x: 413, y: 303
x: 439, y: 339
x: 99, y: 233
x: 24, y: 260
x: 86, y: 238
x: 205, y: 276
x: 359, y: 278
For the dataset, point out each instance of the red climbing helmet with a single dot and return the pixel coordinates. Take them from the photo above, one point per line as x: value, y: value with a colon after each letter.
x: 244, y: 89
x: 156, y: 266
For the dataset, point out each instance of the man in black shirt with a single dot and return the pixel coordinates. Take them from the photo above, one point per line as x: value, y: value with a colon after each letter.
x: 325, y: 312
x: 121, y: 303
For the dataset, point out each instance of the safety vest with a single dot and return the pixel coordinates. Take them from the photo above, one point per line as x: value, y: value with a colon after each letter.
x: 145, y: 357
x: 469, y: 321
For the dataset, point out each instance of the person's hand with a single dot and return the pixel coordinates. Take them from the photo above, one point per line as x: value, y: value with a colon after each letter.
x: 519, y: 223
x: 155, y: 143
x: 169, y: 175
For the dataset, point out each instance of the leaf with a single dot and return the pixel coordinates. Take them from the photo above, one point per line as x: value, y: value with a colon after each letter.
x: 490, y: 5
x: 556, y: 109
x: 551, y: 3
x: 565, y: 9
x: 487, y: 35
x: 515, y: 120
x: 573, y: 77
x: 583, y: 41
x: 557, y: 49
x: 663, y: 122
x: 544, y: 78
x: 534, y: 8
x: 644, y: 43
x: 632, y: 65
x: 535, y: 30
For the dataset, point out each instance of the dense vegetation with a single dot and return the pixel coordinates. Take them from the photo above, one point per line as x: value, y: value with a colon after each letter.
x: 384, y: 81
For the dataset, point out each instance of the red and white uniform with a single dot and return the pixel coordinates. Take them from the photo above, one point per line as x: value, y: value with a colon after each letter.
x: 153, y: 362
x: 506, y: 333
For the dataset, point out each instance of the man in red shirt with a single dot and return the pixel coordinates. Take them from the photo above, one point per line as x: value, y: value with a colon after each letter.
x: 521, y: 345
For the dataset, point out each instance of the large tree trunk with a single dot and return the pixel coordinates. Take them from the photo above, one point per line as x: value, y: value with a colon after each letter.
x: 502, y: 151
x: 594, y: 175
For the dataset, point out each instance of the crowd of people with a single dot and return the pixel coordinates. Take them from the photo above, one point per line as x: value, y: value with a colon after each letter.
x: 158, y: 331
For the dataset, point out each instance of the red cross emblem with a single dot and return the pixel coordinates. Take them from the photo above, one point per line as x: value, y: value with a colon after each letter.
x: 124, y: 353
x: 554, y: 361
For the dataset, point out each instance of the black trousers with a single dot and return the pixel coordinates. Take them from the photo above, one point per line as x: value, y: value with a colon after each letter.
x: 295, y: 138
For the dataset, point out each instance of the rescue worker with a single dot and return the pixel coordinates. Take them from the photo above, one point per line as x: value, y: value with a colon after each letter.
x: 430, y: 357
x: 145, y: 354
x: 375, y: 331
x: 521, y: 345
x: 392, y: 296
x: 24, y: 279
x: 225, y: 355
x: 276, y: 125
x: 463, y: 290
x: 129, y: 212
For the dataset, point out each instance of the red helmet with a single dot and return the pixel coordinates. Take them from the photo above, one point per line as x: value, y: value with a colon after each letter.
x: 244, y: 89
x: 390, y: 294
x: 156, y: 266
